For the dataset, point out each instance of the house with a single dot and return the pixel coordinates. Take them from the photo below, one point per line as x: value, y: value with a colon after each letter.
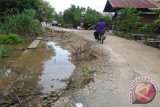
x: 143, y: 6
x: 158, y: 3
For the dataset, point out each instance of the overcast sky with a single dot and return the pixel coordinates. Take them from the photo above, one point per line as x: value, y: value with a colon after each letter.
x: 61, y: 5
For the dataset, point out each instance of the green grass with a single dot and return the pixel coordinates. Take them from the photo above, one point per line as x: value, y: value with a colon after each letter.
x: 10, y: 39
x: 23, y: 24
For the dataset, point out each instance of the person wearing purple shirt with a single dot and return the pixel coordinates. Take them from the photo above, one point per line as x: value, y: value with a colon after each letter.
x: 100, y: 28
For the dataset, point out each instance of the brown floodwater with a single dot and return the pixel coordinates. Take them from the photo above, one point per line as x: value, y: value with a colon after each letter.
x: 40, y: 70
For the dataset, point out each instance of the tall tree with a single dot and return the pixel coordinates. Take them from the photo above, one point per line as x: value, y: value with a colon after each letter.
x: 91, y: 16
x: 59, y: 17
x: 42, y: 8
x: 72, y: 15
x: 76, y: 15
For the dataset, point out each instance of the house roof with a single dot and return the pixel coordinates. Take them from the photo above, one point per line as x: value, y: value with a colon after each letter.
x: 158, y: 4
x: 139, y: 4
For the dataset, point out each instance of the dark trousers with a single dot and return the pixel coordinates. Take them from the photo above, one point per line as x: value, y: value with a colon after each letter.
x: 96, y: 35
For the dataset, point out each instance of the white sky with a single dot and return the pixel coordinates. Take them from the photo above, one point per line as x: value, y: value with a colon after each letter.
x: 61, y: 5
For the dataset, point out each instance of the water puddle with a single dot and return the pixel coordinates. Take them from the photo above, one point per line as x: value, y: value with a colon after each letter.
x: 56, y: 70
x: 41, y: 70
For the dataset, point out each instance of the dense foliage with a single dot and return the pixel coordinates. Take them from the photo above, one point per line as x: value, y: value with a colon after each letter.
x: 23, y: 17
x: 43, y: 10
x: 59, y: 17
x: 127, y: 19
x: 151, y: 28
x: 76, y: 15
x: 1, y: 51
x: 147, y: 29
x: 91, y: 16
x: 10, y: 39
x: 72, y: 15
x: 22, y: 24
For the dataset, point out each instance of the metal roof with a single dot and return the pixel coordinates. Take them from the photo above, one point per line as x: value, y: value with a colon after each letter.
x: 158, y: 4
x: 133, y: 3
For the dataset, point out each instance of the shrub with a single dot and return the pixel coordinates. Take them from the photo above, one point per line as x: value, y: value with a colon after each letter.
x: 22, y: 24
x: 10, y: 39
x: 147, y: 29
x: 156, y: 25
x: 1, y: 51
x: 129, y: 35
x: 127, y: 19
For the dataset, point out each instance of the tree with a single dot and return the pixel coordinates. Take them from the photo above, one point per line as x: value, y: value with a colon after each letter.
x: 24, y: 15
x: 44, y: 11
x: 107, y: 20
x: 42, y: 8
x: 92, y: 16
x: 127, y: 19
x: 59, y: 17
x: 72, y: 15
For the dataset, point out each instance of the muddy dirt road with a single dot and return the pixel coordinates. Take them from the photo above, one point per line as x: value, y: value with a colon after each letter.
x: 127, y: 61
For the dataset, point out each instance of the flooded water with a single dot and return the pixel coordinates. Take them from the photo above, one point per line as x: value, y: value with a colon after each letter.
x: 56, y: 70
x: 41, y: 70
